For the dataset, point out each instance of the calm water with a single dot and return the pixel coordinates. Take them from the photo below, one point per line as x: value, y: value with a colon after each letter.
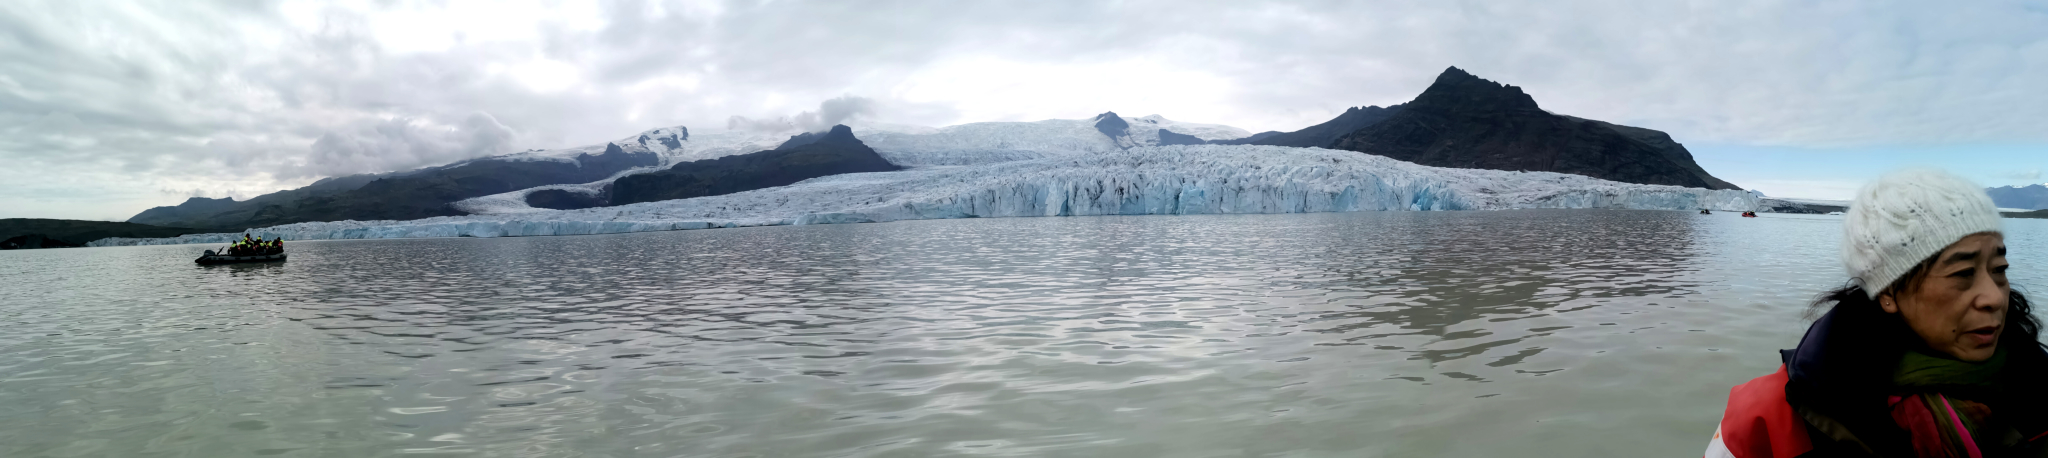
x: 1526, y: 333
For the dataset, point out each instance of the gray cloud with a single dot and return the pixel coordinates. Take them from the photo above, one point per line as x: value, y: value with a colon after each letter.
x: 102, y: 105
x: 402, y: 143
x: 833, y: 111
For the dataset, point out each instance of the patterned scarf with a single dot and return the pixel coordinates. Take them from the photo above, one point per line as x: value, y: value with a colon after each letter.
x: 1940, y: 425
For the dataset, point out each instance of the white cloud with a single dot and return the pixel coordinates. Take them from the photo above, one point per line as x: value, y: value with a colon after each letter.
x: 834, y: 111
x: 2029, y: 174
x: 995, y: 89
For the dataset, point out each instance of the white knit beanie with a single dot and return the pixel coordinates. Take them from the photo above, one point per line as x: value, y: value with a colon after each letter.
x: 1907, y: 216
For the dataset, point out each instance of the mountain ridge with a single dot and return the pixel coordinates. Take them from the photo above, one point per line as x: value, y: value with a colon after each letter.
x: 423, y: 192
x: 1321, y: 135
x: 1463, y: 121
x: 44, y: 232
x: 2031, y: 197
x: 835, y: 152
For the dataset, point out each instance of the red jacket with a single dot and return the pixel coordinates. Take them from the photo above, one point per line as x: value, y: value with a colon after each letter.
x: 1759, y: 423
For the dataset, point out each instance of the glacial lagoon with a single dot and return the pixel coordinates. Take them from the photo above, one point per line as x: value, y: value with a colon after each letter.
x: 1502, y: 333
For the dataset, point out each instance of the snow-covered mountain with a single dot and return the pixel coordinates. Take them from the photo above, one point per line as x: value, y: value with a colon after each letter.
x: 661, y: 142
x: 672, y: 148
x: 900, y: 144
x: 1149, y: 180
x: 672, y: 144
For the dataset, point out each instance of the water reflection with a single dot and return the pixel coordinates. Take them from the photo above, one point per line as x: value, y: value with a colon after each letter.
x: 1340, y: 334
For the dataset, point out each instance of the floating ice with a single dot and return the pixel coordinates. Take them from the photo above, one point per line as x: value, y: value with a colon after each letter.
x: 1161, y: 180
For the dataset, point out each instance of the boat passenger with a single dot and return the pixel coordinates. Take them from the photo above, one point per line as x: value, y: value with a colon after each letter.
x: 1926, y: 351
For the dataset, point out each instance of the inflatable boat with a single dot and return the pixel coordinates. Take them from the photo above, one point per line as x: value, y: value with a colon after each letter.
x: 210, y: 258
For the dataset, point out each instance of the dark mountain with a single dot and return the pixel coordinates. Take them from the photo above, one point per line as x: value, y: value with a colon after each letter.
x: 564, y: 200
x: 1463, y: 121
x: 34, y: 242
x: 54, y: 233
x: 2033, y: 197
x: 1321, y: 135
x: 1112, y: 125
x: 396, y: 196
x: 2036, y: 214
x: 203, y: 209
x: 833, y: 153
x: 802, y: 139
x: 1167, y: 137
x: 193, y: 209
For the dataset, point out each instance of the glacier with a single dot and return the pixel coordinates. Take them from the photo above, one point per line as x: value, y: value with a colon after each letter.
x: 994, y: 142
x: 1150, y: 180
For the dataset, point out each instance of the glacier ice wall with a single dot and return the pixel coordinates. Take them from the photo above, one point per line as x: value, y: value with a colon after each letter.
x: 1161, y: 180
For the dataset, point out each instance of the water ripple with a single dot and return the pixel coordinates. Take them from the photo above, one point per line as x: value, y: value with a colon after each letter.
x: 1322, y: 334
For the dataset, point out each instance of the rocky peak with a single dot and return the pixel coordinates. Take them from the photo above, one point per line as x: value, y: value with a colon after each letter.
x: 1455, y: 90
x: 1463, y: 121
x: 1112, y: 125
x: 668, y: 137
x: 839, y: 134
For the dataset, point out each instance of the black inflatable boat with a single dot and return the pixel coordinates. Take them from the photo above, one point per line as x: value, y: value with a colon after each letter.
x: 210, y: 258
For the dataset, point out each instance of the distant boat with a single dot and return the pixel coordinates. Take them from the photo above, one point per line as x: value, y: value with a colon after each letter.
x: 1835, y: 213
x: 1705, y: 212
x: 211, y: 259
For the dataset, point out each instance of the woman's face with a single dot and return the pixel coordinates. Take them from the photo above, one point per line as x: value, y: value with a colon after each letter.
x: 1958, y: 305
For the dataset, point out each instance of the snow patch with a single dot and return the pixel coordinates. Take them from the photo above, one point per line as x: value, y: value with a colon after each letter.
x: 663, y: 142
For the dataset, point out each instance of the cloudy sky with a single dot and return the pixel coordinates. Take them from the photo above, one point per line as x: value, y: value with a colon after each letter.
x: 109, y: 108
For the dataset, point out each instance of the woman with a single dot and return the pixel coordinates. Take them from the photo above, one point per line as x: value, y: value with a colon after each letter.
x: 1927, y: 352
